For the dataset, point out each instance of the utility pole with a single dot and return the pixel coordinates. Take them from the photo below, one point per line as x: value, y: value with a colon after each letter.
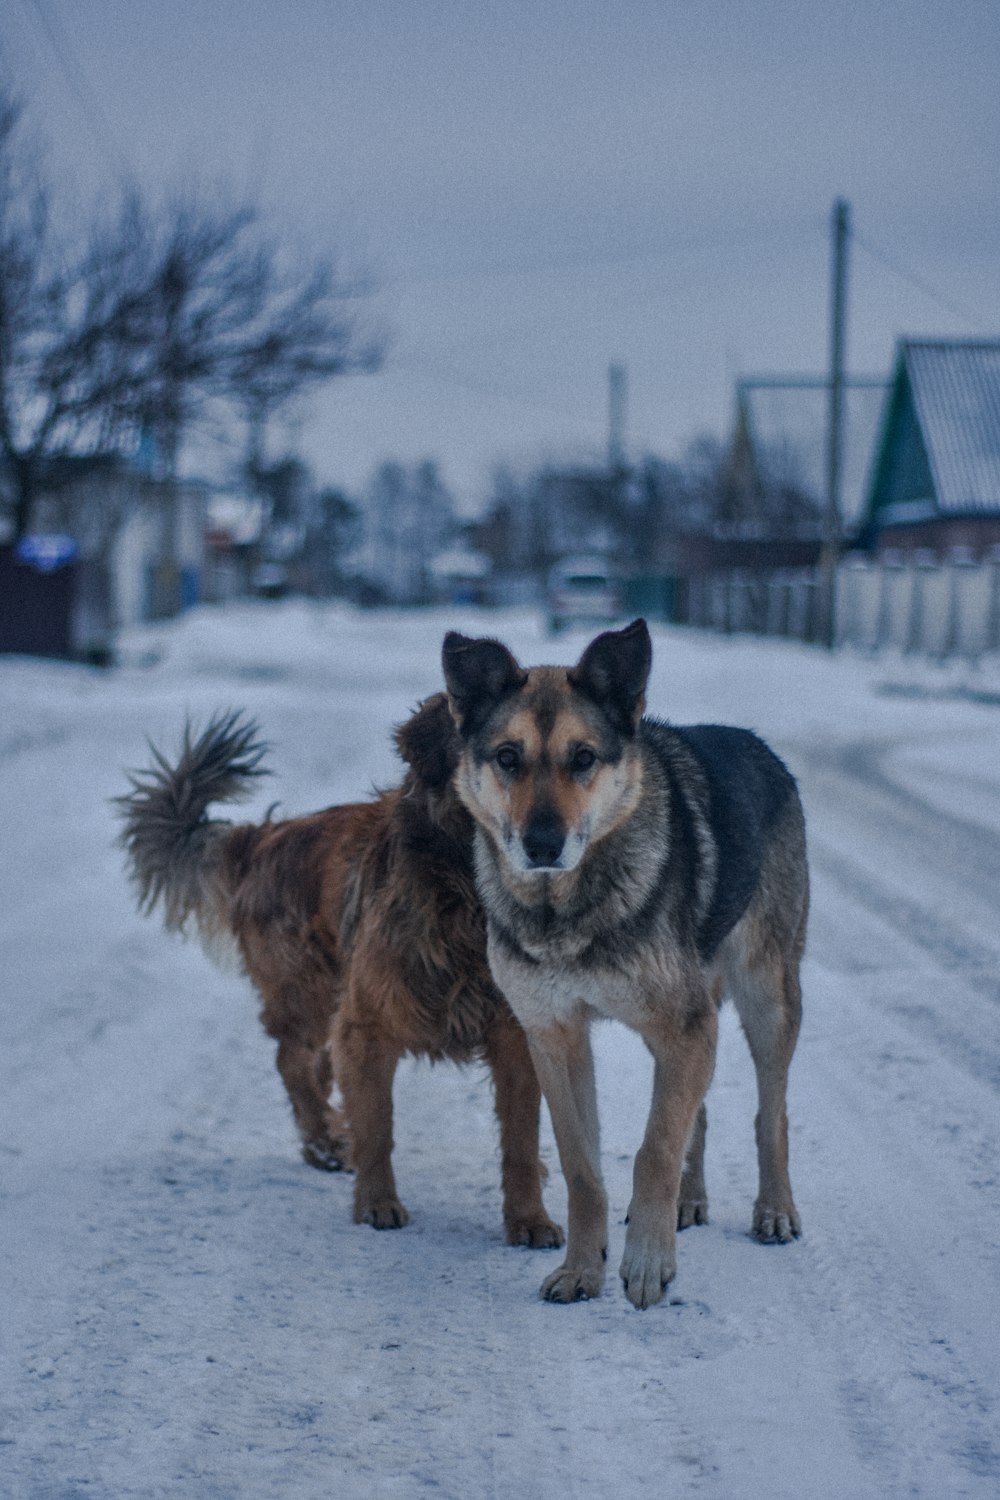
x: 833, y: 518
x: 617, y: 397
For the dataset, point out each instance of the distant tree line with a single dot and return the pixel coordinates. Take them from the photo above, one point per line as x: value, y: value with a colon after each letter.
x: 410, y: 517
x: 637, y: 517
x: 380, y: 546
x: 634, y: 515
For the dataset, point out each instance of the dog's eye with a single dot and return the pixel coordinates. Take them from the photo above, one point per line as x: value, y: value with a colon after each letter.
x: 583, y: 758
x: 508, y: 758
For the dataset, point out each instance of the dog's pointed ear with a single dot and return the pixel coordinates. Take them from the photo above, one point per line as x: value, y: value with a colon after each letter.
x: 614, y: 670
x: 477, y: 673
x: 428, y: 742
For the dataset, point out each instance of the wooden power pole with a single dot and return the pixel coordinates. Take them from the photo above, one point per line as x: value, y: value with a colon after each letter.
x: 833, y: 516
x: 617, y: 399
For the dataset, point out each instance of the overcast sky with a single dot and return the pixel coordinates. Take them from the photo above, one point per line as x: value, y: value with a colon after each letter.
x: 548, y: 187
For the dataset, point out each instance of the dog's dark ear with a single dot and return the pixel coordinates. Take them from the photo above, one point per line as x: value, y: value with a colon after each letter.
x: 613, y: 671
x: 478, y: 673
x: 428, y: 742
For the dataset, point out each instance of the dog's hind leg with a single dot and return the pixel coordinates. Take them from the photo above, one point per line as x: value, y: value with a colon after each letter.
x: 366, y: 1066
x: 565, y: 1067
x: 307, y: 1073
x: 518, y: 1099
x: 761, y: 958
x: 692, y: 1201
x: 769, y: 1001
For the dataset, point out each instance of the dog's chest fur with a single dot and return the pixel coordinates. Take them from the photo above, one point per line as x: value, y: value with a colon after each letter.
x: 544, y: 991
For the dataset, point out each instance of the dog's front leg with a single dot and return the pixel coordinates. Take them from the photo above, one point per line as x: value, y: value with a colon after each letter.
x: 366, y: 1066
x: 684, y: 1056
x: 518, y: 1099
x: 565, y: 1067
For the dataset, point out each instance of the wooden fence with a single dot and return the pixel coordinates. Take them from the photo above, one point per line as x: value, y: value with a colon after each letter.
x: 923, y: 607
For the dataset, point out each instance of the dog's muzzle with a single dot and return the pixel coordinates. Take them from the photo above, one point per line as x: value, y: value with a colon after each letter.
x: 543, y: 841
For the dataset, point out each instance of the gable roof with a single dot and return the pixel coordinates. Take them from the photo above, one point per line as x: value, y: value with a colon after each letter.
x: 786, y: 425
x: 939, y: 450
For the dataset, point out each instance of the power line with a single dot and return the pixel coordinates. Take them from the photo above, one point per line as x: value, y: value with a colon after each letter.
x: 680, y: 245
x: 919, y: 282
x: 84, y: 95
x: 591, y: 426
x: 713, y: 239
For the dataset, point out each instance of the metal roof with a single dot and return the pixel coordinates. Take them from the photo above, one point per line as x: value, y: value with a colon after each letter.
x: 955, y: 386
x: 787, y: 425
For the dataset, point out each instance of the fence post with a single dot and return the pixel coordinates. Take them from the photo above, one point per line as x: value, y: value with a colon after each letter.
x: 993, y: 627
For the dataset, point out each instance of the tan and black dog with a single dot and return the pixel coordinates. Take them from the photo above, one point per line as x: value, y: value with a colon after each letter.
x: 638, y: 871
x: 360, y: 928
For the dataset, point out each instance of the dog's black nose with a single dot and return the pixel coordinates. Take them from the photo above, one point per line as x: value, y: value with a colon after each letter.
x: 543, y: 839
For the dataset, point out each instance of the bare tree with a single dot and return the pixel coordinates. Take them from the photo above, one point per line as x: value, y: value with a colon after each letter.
x: 63, y: 386
x: 410, y: 515
x: 212, y: 308
x: 169, y: 312
x: 212, y: 313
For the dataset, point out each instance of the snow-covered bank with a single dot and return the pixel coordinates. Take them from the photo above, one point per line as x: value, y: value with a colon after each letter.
x: 187, y: 1308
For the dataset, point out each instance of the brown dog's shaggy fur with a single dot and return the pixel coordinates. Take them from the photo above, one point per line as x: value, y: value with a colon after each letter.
x: 361, y: 930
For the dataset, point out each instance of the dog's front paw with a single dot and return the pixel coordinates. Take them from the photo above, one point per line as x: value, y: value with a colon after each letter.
x: 574, y: 1283
x: 648, y: 1266
x: 776, y: 1226
x: 381, y: 1213
x: 538, y: 1232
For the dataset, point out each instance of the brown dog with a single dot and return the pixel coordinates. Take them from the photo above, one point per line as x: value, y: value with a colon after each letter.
x: 361, y: 930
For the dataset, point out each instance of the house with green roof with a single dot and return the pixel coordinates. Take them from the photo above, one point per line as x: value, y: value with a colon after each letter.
x: 935, y: 482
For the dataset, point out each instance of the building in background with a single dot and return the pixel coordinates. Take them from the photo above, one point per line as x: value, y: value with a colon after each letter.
x: 109, y: 545
x: 935, y: 486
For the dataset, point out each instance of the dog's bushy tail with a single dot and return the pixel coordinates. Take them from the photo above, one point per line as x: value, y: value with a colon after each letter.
x: 173, y: 849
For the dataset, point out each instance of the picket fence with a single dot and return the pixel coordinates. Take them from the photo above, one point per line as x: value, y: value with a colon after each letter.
x: 920, y: 606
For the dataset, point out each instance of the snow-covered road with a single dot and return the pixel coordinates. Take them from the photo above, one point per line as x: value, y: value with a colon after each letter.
x: 187, y: 1310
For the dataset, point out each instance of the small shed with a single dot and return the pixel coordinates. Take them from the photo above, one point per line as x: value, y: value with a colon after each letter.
x: 935, y: 484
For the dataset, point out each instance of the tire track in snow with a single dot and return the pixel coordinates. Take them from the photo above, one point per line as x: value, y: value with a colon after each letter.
x: 916, y: 922
x: 965, y: 1028
x: 853, y: 802
x: 926, y: 877
x: 904, y: 899
x: 906, y: 1354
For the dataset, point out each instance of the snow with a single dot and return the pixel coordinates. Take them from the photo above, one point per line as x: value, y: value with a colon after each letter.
x: 187, y: 1308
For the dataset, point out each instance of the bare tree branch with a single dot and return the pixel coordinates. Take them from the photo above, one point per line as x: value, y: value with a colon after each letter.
x: 168, y: 310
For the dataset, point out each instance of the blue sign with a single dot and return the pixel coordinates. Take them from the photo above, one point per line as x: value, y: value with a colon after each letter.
x: 46, y: 551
